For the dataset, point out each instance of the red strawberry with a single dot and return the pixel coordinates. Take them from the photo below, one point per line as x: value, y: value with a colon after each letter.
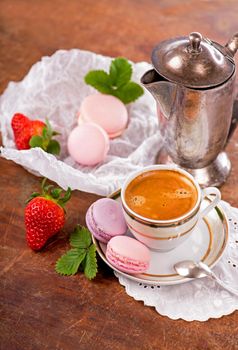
x: 19, y: 121
x: 34, y: 133
x: 45, y: 215
x: 24, y: 129
x: 37, y: 127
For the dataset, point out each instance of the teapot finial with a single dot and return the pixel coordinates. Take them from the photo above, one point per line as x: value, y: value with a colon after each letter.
x: 232, y: 45
x: 195, y: 39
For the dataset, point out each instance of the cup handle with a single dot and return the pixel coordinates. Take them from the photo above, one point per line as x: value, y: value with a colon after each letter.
x: 217, y: 197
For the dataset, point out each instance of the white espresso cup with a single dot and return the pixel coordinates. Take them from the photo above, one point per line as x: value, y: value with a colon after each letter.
x: 164, y: 235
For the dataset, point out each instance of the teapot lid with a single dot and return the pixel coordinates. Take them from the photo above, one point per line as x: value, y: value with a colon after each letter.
x: 193, y: 61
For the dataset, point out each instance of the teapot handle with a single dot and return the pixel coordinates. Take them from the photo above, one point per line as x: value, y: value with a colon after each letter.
x: 232, y: 46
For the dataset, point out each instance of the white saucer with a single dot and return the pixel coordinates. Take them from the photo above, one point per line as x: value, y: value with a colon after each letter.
x: 207, y: 243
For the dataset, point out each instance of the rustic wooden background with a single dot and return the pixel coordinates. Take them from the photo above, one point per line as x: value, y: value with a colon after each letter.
x: 39, y: 309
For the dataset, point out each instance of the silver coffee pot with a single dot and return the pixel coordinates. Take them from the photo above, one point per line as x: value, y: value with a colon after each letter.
x: 193, y: 82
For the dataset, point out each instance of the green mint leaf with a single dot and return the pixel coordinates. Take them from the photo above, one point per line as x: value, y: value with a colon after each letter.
x: 120, y: 71
x: 53, y: 147
x: 129, y: 92
x: 91, y: 268
x: 36, y: 141
x: 69, y: 263
x: 117, y: 82
x: 100, y: 80
x: 80, y: 238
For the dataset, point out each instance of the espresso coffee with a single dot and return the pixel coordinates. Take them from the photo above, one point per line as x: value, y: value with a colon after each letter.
x: 161, y: 194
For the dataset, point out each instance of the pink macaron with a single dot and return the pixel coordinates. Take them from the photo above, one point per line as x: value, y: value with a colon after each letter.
x: 88, y: 144
x: 105, y: 219
x: 128, y: 255
x: 105, y: 110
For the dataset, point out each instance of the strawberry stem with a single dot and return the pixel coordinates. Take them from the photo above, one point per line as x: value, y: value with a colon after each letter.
x: 52, y: 193
x: 43, y: 183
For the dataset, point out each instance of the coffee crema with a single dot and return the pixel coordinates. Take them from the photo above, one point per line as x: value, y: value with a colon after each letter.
x: 161, y: 194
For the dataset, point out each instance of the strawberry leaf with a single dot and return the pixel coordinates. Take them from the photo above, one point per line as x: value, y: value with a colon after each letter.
x: 33, y: 195
x: 91, y: 267
x: 69, y: 263
x: 53, y: 147
x: 36, y: 141
x: 66, y: 197
x: 56, y: 192
x: 45, y: 141
x: 83, y: 254
x: 55, y: 133
x: 44, y: 133
x: 47, y: 188
x: 48, y: 129
x: 80, y: 238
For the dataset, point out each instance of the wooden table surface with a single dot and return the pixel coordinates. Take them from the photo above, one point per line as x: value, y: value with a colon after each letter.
x: 40, y: 309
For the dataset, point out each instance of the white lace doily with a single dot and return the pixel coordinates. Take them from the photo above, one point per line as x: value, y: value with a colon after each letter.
x: 55, y: 88
x: 199, y: 299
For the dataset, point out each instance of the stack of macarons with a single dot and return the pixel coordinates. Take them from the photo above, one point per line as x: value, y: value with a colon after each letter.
x: 101, y: 117
x: 106, y: 222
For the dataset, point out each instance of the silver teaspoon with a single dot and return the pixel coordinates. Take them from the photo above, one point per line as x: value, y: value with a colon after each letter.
x: 192, y: 269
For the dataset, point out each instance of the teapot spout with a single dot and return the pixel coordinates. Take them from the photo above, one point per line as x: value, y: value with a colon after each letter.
x: 163, y: 90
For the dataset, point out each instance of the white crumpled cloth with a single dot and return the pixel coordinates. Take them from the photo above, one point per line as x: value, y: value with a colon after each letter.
x: 54, y: 88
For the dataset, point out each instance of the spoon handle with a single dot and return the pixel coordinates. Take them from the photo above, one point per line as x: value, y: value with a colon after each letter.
x: 224, y: 285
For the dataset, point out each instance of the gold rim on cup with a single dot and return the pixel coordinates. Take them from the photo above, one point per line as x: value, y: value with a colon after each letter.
x: 161, y: 223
